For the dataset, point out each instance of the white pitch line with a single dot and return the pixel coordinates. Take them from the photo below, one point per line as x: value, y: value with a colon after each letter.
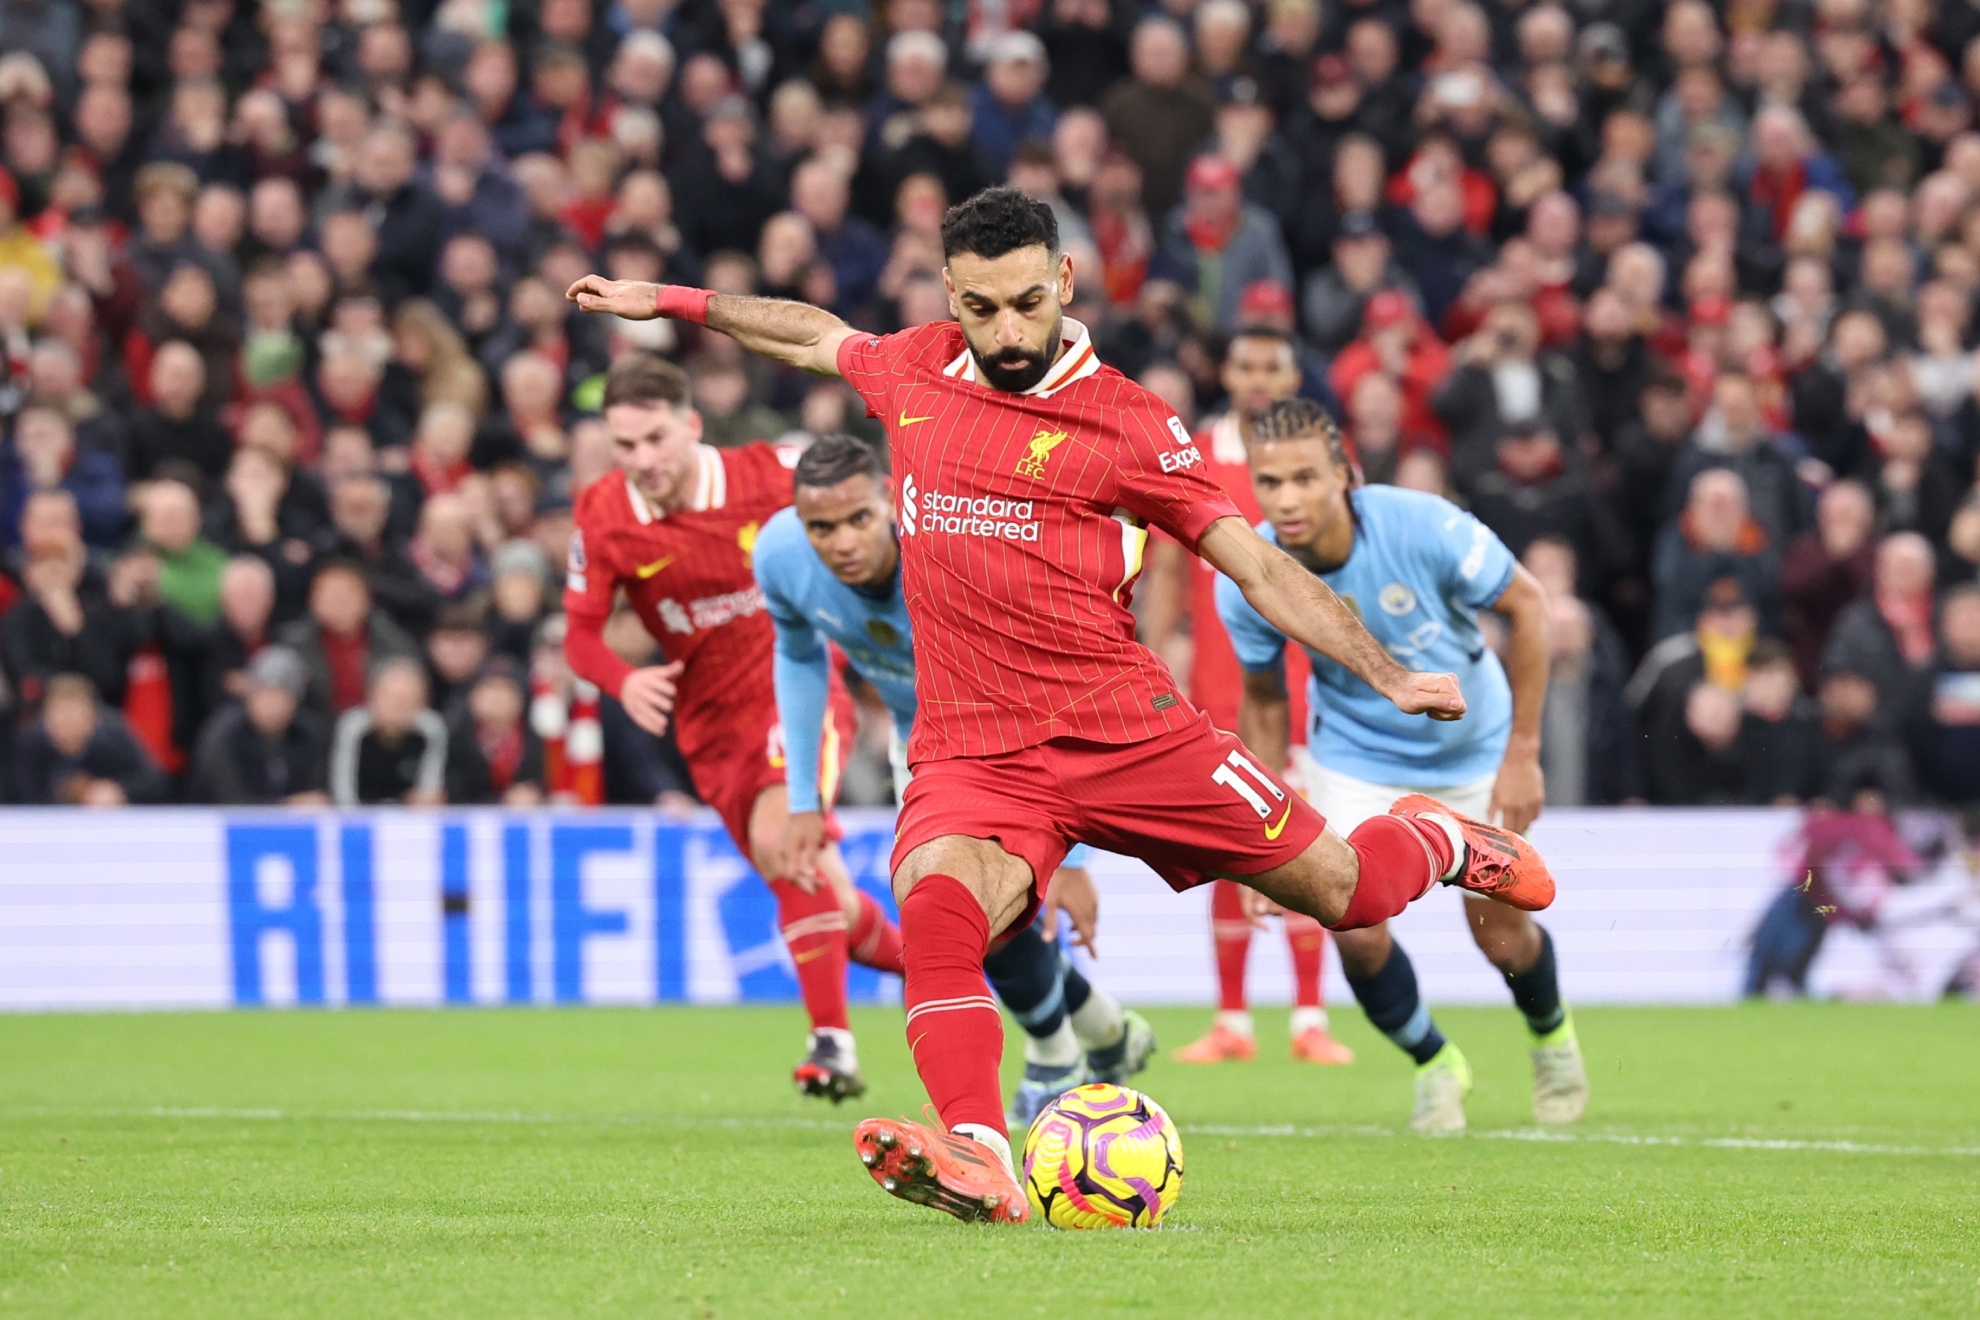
x: 1545, y: 1136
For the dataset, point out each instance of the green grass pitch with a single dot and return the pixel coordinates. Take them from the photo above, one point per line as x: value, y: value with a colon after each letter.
x: 1804, y: 1160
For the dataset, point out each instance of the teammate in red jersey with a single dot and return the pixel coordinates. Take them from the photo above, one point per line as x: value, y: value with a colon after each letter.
x: 674, y: 528
x: 1261, y: 367
x: 1027, y: 474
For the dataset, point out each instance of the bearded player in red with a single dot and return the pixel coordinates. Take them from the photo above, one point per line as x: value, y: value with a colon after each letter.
x: 1027, y: 473
x: 674, y: 528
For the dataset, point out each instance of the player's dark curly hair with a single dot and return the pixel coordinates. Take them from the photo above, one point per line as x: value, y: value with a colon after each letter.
x: 997, y: 221
x: 831, y: 459
x: 1300, y: 419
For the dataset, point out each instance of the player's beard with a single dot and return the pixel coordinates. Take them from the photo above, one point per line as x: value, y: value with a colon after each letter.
x: 1015, y: 370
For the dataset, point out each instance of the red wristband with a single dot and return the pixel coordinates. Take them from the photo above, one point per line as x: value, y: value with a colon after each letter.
x: 683, y: 303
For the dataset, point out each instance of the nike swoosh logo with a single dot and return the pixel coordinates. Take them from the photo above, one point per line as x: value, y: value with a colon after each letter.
x: 910, y: 421
x: 648, y: 570
x: 1274, y: 831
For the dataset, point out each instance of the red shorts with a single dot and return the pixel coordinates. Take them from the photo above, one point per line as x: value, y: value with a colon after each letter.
x: 732, y: 771
x: 1193, y: 804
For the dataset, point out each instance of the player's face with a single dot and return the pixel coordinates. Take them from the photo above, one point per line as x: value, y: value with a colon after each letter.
x: 1010, y: 308
x: 1258, y: 373
x: 654, y: 445
x: 1302, y: 491
x: 851, y: 526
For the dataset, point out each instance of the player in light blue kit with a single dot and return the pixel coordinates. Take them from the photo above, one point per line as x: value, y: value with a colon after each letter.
x: 830, y: 572
x: 1417, y: 569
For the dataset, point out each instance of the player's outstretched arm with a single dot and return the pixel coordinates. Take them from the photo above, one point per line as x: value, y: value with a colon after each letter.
x: 794, y: 333
x: 1306, y: 609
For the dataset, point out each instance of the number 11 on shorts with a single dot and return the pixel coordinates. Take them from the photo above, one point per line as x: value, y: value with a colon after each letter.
x: 1232, y: 774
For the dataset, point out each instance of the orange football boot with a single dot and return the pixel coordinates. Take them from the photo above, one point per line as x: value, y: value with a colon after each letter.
x: 1498, y: 864
x: 1218, y: 1045
x: 1314, y: 1045
x: 930, y: 1167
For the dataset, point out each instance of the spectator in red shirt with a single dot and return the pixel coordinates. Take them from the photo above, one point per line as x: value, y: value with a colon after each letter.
x: 1395, y: 340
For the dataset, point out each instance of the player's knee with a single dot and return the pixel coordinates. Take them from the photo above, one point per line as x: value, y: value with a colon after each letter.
x: 1363, y: 952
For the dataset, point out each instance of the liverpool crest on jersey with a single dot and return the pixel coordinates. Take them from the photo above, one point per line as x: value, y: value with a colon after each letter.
x: 1039, y: 452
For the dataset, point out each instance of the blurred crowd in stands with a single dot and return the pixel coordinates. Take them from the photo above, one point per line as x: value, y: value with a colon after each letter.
x: 1678, y: 298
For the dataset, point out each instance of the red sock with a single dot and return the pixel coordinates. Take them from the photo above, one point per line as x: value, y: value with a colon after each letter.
x: 814, y: 931
x: 874, y: 941
x: 1230, y: 934
x: 1308, y: 941
x: 953, y: 1026
x: 1401, y: 857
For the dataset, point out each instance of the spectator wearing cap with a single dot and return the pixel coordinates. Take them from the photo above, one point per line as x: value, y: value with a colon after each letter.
x: 1944, y: 730
x: 1246, y: 135
x: 393, y: 747
x: 1887, y: 636
x: 1009, y: 107
x: 495, y: 756
x: 1395, y: 341
x: 1824, y: 570
x: 1161, y: 113
x: 1219, y: 243
x: 1714, y: 649
x: 1503, y: 379
x: 1715, y: 539
x: 263, y: 749
x: 43, y: 456
x: 342, y: 637
x: 80, y: 753
x: 1335, y: 296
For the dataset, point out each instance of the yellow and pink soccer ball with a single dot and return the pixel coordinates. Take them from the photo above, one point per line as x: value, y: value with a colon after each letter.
x: 1102, y: 1156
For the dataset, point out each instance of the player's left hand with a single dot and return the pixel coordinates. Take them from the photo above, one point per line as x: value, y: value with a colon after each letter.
x: 635, y: 300
x: 648, y: 696
x: 1071, y: 891
x: 1435, y: 695
x: 1520, y: 790
x: 1256, y: 907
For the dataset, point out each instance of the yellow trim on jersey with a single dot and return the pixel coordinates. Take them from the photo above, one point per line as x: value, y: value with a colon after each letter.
x: 1134, y: 543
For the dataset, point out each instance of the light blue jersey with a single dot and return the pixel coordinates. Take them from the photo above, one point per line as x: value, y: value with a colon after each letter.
x: 1420, y: 570
x: 811, y: 607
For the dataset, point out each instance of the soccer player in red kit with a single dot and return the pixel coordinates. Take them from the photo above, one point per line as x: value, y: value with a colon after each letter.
x: 1027, y: 475
x: 1261, y: 367
x: 674, y: 528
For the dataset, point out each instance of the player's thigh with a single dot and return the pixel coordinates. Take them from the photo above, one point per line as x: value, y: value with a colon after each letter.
x: 1001, y: 882
x: 769, y: 814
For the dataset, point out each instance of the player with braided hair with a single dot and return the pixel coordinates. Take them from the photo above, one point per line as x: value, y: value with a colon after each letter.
x: 1417, y: 570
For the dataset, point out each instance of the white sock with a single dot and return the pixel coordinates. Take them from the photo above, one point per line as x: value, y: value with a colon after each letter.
x: 1098, y: 1023
x: 1456, y: 836
x: 990, y: 1137
x: 1308, y: 1019
x: 1061, y: 1049
x: 1236, y: 1020
x: 844, y: 1040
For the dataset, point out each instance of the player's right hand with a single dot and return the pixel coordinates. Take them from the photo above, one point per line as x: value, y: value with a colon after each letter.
x: 804, y: 840
x: 648, y: 696
x: 1072, y: 892
x: 635, y: 300
x: 1435, y: 695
